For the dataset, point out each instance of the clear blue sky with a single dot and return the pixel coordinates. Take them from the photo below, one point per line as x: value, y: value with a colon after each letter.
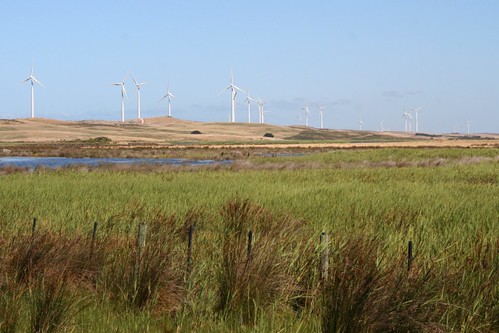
x: 366, y: 60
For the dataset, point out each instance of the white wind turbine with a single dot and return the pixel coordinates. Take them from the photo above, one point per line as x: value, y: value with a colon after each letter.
x: 233, y: 88
x: 360, y: 125
x: 249, y: 99
x: 168, y: 96
x: 321, y: 112
x: 123, y: 95
x: 417, y: 121
x: 307, y: 112
x: 261, y: 111
x: 407, y: 118
x: 33, y: 81
x: 382, y: 127
x: 468, y: 126
x: 138, y: 85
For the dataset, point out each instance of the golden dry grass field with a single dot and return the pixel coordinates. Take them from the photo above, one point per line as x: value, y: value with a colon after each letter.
x: 164, y: 131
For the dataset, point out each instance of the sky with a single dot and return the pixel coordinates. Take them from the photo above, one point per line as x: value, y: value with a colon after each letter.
x: 366, y: 61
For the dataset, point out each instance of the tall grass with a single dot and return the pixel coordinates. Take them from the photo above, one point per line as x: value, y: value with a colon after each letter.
x: 450, y: 212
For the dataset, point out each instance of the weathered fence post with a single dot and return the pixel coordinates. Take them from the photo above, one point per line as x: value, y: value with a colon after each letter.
x: 410, y: 257
x: 250, y: 241
x: 141, y: 243
x: 94, y: 237
x: 324, y: 269
x: 189, y: 251
x: 33, y: 228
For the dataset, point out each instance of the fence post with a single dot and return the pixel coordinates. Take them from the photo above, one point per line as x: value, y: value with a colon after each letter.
x: 189, y: 251
x: 324, y: 256
x: 250, y: 241
x: 141, y: 243
x: 94, y: 237
x: 33, y: 228
x: 410, y: 257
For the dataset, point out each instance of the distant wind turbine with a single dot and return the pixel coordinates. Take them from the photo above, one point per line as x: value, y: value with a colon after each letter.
x: 408, y: 119
x: 33, y: 81
x: 168, y: 96
x: 321, y: 112
x: 249, y: 99
x: 417, y: 120
x: 233, y: 88
x: 261, y: 112
x: 360, y: 125
x: 138, y: 85
x: 382, y: 128
x: 468, y: 126
x: 307, y: 112
x: 123, y: 95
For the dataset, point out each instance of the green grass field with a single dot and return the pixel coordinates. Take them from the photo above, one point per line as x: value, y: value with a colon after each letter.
x: 370, y: 203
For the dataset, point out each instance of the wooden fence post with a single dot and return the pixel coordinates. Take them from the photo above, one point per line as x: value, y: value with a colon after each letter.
x: 94, y: 237
x: 250, y: 241
x: 141, y: 243
x: 33, y: 228
x: 410, y: 257
x: 324, y: 269
x: 189, y: 251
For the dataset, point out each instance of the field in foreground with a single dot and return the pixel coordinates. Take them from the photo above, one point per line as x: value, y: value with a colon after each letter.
x: 369, y: 202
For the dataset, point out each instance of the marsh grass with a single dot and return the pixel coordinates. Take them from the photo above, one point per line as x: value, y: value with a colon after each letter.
x: 153, y: 278
x: 449, y: 211
x: 256, y: 277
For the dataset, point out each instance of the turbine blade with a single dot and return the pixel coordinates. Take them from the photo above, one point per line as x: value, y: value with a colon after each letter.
x: 34, y: 79
x: 136, y: 83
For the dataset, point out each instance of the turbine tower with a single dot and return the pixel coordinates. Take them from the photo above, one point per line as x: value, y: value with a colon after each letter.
x: 261, y: 112
x: 233, y: 88
x: 360, y: 125
x: 263, y: 115
x: 249, y: 99
x: 307, y: 112
x: 123, y: 95
x: 33, y: 80
x: 168, y: 96
x: 321, y: 112
x: 407, y: 118
x: 468, y: 126
x: 138, y: 85
x: 417, y: 121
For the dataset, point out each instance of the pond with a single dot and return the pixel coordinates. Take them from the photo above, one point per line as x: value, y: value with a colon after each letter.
x: 58, y: 162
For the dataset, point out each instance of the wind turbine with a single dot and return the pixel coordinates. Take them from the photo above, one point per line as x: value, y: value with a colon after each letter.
x: 417, y: 121
x: 408, y: 118
x: 249, y: 99
x: 168, y: 96
x: 123, y: 95
x: 138, y: 85
x: 382, y: 128
x: 321, y: 112
x: 233, y: 88
x: 33, y: 80
x: 261, y: 112
x: 360, y: 125
x: 468, y: 126
x: 307, y: 112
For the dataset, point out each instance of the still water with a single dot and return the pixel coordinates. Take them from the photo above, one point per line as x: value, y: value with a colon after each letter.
x: 57, y: 162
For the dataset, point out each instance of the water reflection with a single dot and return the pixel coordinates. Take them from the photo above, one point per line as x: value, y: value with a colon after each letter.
x: 57, y: 162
